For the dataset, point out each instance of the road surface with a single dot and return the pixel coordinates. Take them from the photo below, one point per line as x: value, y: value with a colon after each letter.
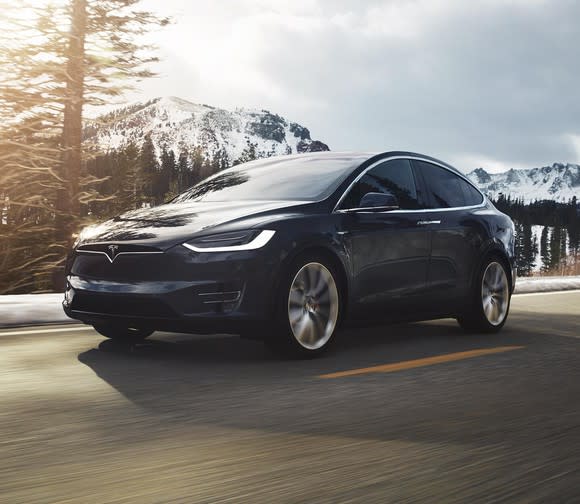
x: 403, y: 413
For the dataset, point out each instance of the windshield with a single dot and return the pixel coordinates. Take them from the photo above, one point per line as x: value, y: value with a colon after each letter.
x: 307, y: 178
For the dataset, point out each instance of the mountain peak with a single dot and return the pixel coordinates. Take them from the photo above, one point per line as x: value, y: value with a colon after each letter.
x: 559, y: 182
x: 480, y: 176
x: 180, y: 125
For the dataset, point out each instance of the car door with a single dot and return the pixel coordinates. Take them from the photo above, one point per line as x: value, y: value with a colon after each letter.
x: 457, y: 233
x: 390, y: 252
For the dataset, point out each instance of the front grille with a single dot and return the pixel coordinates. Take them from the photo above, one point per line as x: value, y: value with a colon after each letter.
x: 130, y: 306
x: 125, y: 266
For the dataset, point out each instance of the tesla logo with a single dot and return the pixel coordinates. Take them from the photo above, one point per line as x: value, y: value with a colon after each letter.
x: 113, y: 252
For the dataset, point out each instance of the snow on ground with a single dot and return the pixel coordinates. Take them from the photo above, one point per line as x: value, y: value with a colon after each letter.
x: 547, y: 284
x: 33, y: 309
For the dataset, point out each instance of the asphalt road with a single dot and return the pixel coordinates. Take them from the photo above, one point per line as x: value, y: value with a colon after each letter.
x: 402, y: 413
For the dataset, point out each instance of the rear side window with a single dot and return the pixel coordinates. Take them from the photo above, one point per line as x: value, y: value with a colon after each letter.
x: 394, y: 176
x: 445, y: 189
x: 472, y: 195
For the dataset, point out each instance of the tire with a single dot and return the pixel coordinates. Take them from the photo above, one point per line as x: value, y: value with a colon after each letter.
x: 123, y: 334
x: 490, y: 299
x: 309, y: 308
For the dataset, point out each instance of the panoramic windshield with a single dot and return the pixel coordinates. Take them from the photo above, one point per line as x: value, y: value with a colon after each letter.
x: 307, y: 178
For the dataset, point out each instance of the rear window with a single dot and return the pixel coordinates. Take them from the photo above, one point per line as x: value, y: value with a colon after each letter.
x: 446, y: 189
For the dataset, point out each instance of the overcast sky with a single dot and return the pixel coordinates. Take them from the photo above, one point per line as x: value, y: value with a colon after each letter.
x: 491, y: 83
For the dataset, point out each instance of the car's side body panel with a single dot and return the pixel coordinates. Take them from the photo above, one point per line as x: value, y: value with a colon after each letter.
x: 390, y: 258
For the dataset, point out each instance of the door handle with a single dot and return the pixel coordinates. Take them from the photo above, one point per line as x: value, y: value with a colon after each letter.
x: 427, y: 222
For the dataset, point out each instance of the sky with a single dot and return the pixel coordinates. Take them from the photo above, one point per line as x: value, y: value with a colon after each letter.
x: 492, y: 83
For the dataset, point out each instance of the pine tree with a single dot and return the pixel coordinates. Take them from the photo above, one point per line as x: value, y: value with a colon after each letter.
x: 165, y: 175
x: 130, y: 194
x: 148, y: 169
x: 183, y: 172
x: 216, y: 162
x: 555, y: 246
x: 197, y: 161
x: 55, y: 60
x: 527, y: 249
x: 248, y: 154
x: 563, y: 247
x: 545, y: 250
x: 224, y: 160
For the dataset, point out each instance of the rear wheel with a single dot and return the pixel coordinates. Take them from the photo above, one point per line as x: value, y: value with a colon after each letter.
x: 309, y: 308
x: 123, y: 334
x: 490, y: 300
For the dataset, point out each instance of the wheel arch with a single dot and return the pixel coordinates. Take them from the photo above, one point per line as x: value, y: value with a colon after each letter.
x: 495, y: 249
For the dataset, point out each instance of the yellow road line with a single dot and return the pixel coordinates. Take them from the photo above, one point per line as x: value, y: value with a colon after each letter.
x: 415, y: 363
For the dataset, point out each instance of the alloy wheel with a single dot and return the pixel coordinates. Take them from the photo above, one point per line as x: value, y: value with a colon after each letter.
x: 313, y: 304
x: 495, y: 293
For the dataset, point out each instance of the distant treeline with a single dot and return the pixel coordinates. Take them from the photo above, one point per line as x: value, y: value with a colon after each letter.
x: 134, y: 176
x: 558, y: 245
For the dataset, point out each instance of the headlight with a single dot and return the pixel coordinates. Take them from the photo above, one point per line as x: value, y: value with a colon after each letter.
x: 230, y: 242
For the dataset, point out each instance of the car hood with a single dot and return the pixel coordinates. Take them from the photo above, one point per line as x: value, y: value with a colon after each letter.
x: 172, y: 223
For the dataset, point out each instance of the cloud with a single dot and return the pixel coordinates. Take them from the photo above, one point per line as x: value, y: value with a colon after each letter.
x: 471, y: 82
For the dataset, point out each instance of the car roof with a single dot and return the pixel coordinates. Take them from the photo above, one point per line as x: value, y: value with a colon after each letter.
x: 362, y: 157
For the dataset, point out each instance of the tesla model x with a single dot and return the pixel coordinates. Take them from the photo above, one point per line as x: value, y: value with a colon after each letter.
x: 285, y: 249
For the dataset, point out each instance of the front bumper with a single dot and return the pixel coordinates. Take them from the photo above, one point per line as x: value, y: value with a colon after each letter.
x: 178, y: 290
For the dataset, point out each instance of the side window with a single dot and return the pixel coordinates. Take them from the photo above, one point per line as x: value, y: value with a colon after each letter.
x: 445, y: 189
x: 472, y: 195
x: 395, y: 177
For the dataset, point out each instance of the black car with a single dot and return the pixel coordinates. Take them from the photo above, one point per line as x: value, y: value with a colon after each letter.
x: 285, y: 249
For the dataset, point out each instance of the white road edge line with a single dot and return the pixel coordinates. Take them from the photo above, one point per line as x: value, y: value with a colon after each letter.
x: 569, y: 291
x: 43, y: 331
x: 89, y: 328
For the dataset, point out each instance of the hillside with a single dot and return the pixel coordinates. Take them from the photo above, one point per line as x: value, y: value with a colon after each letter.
x: 181, y: 125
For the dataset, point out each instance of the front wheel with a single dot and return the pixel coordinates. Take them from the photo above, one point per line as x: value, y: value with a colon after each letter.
x: 309, y: 308
x: 123, y: 334
x: 490, y: 300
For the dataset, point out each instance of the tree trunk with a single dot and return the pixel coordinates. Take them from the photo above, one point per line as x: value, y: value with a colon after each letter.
x: 68, y: 196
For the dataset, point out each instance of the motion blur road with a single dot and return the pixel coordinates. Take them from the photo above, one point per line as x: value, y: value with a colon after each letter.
x: 402, y: 413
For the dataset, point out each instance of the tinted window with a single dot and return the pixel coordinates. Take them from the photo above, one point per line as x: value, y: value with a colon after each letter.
x: 308, y: 178
x: 472, y: 195
x: 446, y: 189
x: 395, y: 177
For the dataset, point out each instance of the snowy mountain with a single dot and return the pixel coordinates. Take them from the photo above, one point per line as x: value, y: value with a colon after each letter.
x: 559, y: 182
x: 179, y: 125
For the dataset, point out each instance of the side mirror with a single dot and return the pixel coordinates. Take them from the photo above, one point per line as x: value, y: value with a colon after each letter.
x: 379, y: 201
